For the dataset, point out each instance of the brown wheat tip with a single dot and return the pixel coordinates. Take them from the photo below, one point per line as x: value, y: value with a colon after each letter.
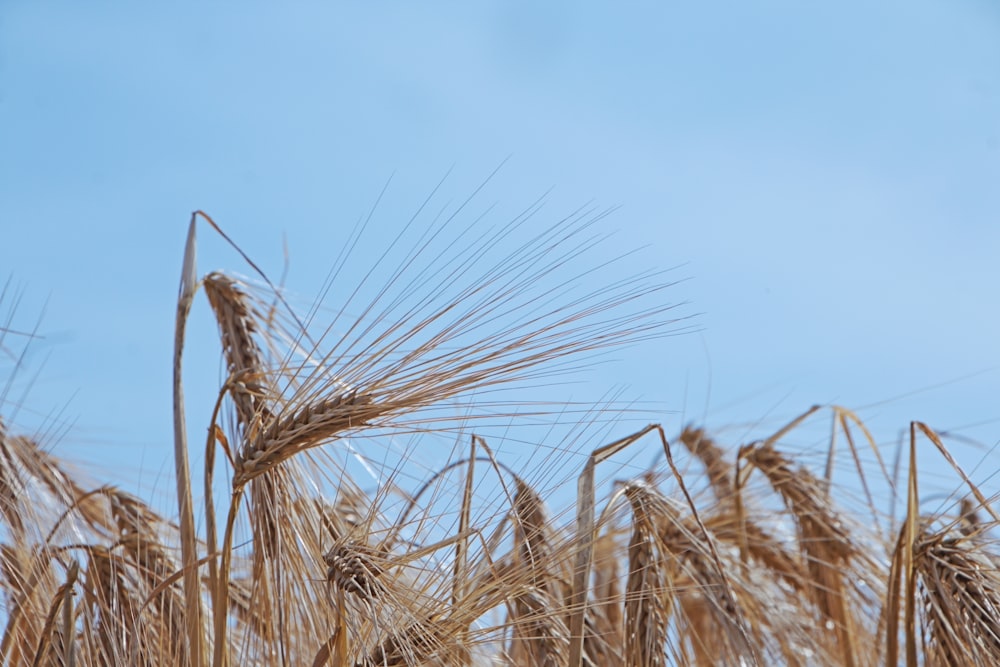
x: 244, y: 358
x: 647, y: 609
x: 720, y: 471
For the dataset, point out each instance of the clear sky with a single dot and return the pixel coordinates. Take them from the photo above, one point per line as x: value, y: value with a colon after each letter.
x: 823, y: 175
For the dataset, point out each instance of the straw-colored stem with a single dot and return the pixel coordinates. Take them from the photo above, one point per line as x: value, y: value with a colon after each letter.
x: 211, y: 530
x: 462, y: 546
x: 185, y: 502
x: 909, y: 542
x: 220, y: 657
x: 585, y: 537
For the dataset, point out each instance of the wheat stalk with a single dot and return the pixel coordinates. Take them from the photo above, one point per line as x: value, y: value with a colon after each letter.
x: 185, y: 502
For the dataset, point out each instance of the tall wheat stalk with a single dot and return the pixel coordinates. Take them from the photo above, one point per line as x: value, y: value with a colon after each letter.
x: 182, y: 469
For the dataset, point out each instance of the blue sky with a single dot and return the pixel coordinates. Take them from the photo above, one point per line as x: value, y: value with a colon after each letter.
x: 824, y: 177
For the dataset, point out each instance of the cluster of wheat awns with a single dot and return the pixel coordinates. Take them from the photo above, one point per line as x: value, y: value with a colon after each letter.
x: 759, y: 567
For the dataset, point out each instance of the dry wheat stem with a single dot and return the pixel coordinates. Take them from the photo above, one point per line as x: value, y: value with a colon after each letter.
x: 461, y: 566
x: 61, y: 600
x: 586, y: 534
x: 189, y: 540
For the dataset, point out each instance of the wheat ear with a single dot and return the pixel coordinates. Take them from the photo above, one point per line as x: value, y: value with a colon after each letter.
x: 540, y: 634
x: 646, y: 593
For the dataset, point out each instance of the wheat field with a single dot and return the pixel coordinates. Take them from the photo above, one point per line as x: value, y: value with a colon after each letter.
x: 720, y: 553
